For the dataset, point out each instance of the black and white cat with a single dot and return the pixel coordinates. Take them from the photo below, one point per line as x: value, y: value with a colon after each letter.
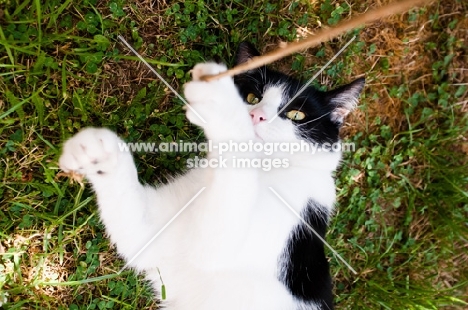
x: 237, y: 245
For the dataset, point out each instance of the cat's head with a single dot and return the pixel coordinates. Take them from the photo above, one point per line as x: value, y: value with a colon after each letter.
x: 314, y: 116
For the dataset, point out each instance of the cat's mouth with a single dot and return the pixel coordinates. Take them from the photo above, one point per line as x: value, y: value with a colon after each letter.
x: 258, y: 136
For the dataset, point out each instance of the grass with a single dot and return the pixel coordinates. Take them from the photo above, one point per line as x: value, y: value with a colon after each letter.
x: 402, y: 211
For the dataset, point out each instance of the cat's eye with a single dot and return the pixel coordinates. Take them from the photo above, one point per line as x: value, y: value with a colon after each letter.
x: 252, y: 99
x: 295, y: 115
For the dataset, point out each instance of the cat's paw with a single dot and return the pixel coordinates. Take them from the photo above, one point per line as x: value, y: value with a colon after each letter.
x: 208, y: 68
x: 92, y: 152
x: 199, y: 92
x: 214, y: 104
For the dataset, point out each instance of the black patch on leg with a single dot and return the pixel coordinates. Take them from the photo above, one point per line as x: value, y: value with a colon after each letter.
x: 304, y: 269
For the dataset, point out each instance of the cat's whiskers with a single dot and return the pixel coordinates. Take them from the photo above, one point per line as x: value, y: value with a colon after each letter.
x: 309, y: 131
x: 302, y: 105
x: 312, y: 133
x: 252, y: 78
x: 315, y: 119
x: 263, y: 74
x: 255, y: 82
x: 297, y: 88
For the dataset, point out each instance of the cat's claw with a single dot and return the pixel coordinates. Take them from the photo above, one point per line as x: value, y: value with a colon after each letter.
x: 91, y: 152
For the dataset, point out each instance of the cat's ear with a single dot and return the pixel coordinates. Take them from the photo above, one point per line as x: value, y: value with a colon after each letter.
x: 245, y: 52
x: 344, y: 99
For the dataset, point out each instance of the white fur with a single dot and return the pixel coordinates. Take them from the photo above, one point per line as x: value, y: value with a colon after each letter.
x: 222, y: 251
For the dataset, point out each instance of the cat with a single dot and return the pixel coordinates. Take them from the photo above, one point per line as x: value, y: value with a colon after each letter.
x: 237, y: 245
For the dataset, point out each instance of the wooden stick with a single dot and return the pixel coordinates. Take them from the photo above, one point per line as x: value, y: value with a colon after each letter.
x: 321, y: 36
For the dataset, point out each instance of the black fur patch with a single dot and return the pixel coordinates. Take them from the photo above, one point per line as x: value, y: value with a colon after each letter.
x: 303, y: 265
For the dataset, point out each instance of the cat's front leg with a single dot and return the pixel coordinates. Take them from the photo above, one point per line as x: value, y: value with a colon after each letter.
x: 216, y: 106
x: 98, y: 154
x: 231, y: 190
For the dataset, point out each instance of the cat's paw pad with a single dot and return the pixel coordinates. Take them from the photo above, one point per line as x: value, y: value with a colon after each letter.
x: 92, y: 151
x: 208, y: 68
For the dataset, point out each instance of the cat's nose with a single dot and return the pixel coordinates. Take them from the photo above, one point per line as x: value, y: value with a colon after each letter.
x: 258, y: 116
